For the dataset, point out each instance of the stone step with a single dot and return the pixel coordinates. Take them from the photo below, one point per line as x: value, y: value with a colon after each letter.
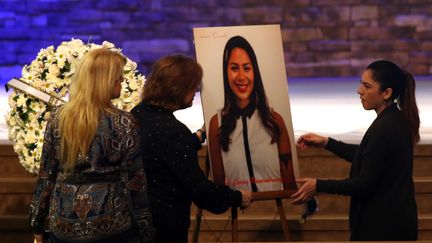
x: 317, y: 228
x: 15, y: 229
x: 17, y: 185
x: 10, y: 165
x: 15, y: 195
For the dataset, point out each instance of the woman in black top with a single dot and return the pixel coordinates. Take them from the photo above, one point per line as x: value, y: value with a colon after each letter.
x: 175, y: 179
x: 381, y: 187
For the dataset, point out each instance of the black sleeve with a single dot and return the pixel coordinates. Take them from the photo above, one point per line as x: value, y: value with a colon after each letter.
x: 343, y: 150
x: 182, y: 161
x: 196, y: 142
x: 372, y: 162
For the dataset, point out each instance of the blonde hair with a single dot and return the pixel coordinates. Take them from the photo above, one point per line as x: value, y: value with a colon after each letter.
x: 90, y: 95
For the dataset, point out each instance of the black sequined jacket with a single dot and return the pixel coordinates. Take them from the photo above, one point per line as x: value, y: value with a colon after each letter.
x: 174, y: 177
x: 105, y: 197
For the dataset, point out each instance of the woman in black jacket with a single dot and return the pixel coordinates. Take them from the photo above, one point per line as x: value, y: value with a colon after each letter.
x: 381, y: 187
x: 175, y: 179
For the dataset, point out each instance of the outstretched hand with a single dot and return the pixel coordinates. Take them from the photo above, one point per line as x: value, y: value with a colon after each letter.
x: 203, y: 128
x: 306, y: 191
x: 201, y: 134
x: 246, y: 198
x: 311, y: 140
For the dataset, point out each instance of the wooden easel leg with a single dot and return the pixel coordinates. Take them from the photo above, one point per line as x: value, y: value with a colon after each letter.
x: 234, y: 224
x: 199, y: 210
x: 197, y: 225
x: 283, y: 219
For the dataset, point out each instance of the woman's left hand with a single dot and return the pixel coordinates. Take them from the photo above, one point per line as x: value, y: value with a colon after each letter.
x: 306, y: 191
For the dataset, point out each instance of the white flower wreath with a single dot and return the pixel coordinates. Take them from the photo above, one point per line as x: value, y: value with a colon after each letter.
x: 51, y: 73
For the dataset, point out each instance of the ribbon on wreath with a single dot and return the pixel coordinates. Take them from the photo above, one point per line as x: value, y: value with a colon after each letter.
x: 50, y: 99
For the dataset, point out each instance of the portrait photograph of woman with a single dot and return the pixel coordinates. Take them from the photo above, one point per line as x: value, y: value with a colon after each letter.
x: 246, y: 107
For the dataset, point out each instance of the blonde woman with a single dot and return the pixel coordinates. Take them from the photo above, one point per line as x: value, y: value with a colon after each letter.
x: 91, y: 184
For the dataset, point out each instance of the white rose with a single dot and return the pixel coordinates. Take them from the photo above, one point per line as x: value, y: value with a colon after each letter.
x: 40, y: 107
x: 30, y: 138
x: 19, y: 137
x: 26, y: 75
x: 94, y: 47
x: 45, y: 52
x: 136, y: 97
x: 54, y: 70
x: 74, y: 44
x: 38, y: 83
x: 61, y: 62
x: 127, y: 100
x: 29, y: 158
x: 57, y: 82
x: 130, y: 65
x: 129, y: 76
x: 107, y: 44
x: 33, y: 116
x: 141, y: 79
x: 36, y: 64
x: 11, y: 121
x: 133, y: 85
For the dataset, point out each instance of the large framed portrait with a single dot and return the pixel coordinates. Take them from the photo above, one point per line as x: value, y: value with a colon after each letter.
x: 246, y: 107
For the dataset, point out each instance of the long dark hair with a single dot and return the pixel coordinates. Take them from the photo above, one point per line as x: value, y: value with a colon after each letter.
x: 389, y: 75
x: 258, y: 96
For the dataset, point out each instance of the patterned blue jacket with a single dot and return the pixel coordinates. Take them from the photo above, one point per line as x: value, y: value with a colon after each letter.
x: 105, y: 197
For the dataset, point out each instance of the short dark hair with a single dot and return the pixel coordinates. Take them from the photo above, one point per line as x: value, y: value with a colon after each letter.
x: 172, y: 77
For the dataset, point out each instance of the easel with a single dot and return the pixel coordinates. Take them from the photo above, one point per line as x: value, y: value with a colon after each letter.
x: 256, y: 196
x: 263, y: 196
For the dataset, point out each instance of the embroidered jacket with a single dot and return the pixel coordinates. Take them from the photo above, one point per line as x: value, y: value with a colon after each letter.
x: 105, y: 196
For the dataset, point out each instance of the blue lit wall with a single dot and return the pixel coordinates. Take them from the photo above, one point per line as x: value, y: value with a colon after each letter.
x: 321, y: 37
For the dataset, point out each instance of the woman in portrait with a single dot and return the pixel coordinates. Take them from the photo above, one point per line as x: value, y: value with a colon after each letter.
x: 381, y: 187
x: 248, y: 140
x: 92, y: 186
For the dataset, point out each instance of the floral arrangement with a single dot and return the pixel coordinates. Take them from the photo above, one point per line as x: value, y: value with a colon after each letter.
x: 51, y: 73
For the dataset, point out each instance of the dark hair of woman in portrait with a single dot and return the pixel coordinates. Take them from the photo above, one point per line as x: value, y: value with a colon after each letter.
x: 380, y: 184
x: 175, y: 178
x: 258, y: 99
x: 92, y: 185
